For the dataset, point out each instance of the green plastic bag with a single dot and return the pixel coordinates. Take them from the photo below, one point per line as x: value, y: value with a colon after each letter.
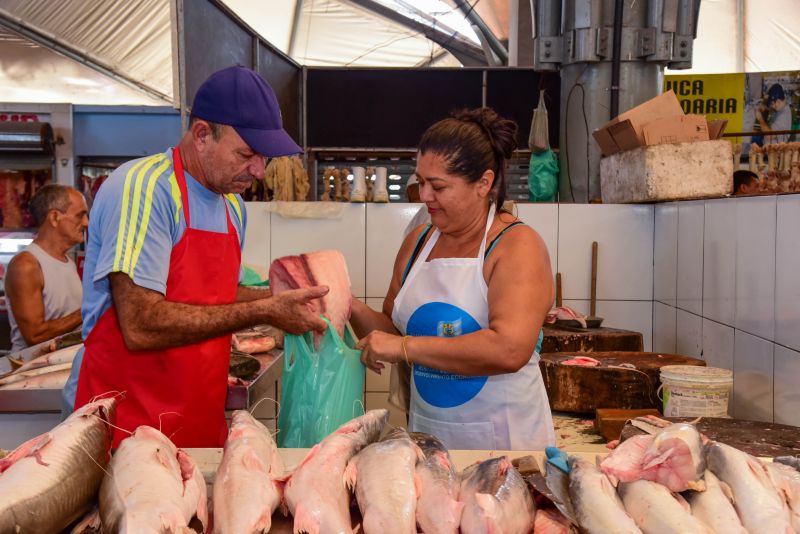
x: 252, y: 278
x: 543, y: 177
x: 321, y: 388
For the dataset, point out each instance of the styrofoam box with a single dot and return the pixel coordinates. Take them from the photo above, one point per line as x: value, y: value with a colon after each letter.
x: 701, y: 169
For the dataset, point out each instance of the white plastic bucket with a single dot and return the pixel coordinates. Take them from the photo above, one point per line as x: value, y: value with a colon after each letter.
x: 693, y: 391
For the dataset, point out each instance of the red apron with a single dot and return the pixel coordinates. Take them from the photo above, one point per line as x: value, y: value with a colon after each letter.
x: 180, y: 390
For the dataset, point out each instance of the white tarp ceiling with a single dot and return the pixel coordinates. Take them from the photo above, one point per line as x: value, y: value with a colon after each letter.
x: 130, y: 40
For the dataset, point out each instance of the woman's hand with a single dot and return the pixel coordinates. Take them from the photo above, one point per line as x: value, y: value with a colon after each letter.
x: 377, y: 347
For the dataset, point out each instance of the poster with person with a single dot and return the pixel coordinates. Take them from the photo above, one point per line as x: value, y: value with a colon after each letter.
x: 764, y: 103
x: 772, y: 100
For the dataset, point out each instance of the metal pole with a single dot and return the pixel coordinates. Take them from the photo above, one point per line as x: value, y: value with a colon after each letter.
x: 474, y: 19
x: 616, y: 58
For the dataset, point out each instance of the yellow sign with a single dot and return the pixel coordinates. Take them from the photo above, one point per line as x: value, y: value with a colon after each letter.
x: 717, y: 96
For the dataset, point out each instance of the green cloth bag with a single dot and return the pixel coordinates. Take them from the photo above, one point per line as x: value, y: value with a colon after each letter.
x: 321, y: 389
x: 543, y: 177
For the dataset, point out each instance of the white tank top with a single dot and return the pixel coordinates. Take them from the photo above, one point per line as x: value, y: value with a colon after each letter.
x: 62, y: 291
x: 447, y: 297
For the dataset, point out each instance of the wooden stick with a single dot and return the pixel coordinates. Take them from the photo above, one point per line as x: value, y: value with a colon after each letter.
x: 558, y: 290
x: 593, y: 308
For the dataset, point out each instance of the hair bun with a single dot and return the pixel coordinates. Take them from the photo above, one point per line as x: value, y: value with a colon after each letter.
x: 502, y: 132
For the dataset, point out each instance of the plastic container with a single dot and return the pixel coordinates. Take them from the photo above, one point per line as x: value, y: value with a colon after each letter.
x: 692, y: 391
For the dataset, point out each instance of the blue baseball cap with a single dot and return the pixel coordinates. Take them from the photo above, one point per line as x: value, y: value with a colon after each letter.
x: 240, y: 98
x: 776, y: 92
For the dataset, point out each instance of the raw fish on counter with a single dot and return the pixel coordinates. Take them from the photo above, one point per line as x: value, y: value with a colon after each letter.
x: 550, y: 521
x: 52, y: 358
x: 252, y: 342
x: 152, y: 486
x: 53, y: 377
x: 245, y: 491
x: 325, y: 267
x: 656, y: 510
x: 672, y: 457
x: 787, y: 482
x: 50, y: 481
x: 756, y: 499
x: 714, y: 506
x: 565, y: 313
x: 496, y: 499
x: 597, y: 506
x: 315, y: 493
x: 438, y: 507
x: 383, y: 476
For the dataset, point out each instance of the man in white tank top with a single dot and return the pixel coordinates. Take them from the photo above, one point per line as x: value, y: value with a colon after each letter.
x: 42, y: 286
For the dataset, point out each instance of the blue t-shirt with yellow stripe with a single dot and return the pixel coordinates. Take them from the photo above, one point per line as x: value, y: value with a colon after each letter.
x: 135, y: 221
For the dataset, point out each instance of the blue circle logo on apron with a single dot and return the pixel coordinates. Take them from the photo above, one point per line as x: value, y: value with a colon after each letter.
x: 440, y: 388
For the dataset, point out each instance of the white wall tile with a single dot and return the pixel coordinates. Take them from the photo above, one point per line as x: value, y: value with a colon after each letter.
x: 665, y: 266
x: 690, y: 256
x: 664, y: 328
x: 544, y: 219
x: 385, y: 226
x: 752, y: 378
x: 755, y: 265
x: 787, y: 279
x: 787, y: 392
x: 689, y: 334
x: 625, y: 261
x: 256, y: 254
x: 346, y: 234
x: 719, y: 261
x: 633, y: 315
x: 718, y: 344
x: 377, y: 382
x: 375, y: 303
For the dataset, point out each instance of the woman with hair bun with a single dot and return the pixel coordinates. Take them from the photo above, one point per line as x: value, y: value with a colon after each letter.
x: 468, y: 297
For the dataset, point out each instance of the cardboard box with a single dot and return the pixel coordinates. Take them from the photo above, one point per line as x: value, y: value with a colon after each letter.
x: 679, y: 171
x: 677, y: 129
x: 625, y: 132
x: 716, y: 128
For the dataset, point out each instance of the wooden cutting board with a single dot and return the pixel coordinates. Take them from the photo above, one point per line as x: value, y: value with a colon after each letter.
x: 579, y: 389
x: 610, y: 421
x: 566, y: 339
x: 753, y: 437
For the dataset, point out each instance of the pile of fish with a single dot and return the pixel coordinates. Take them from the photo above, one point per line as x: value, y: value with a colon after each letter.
x: 402, y: 483
x: 677, y: 481
x: 43, y: 366
x: 47, y: 371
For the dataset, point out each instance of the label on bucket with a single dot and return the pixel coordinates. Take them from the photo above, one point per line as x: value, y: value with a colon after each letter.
x: 686, y: 402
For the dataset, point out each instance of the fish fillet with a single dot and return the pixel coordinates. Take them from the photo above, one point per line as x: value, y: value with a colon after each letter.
x: 673, y: 457
x: 326, y: 268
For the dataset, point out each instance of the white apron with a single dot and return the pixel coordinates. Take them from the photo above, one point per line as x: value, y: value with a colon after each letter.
x: 447, y: 297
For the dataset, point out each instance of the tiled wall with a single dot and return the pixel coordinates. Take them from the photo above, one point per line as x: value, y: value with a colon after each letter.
x: 370, y: 235
x: 727, y: 289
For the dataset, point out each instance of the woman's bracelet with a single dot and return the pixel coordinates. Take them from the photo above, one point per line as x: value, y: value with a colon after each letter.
x: 405, y: 351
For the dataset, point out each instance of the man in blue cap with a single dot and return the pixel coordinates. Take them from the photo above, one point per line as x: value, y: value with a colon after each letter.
x: 781, y: 117
x: 161, y: 293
